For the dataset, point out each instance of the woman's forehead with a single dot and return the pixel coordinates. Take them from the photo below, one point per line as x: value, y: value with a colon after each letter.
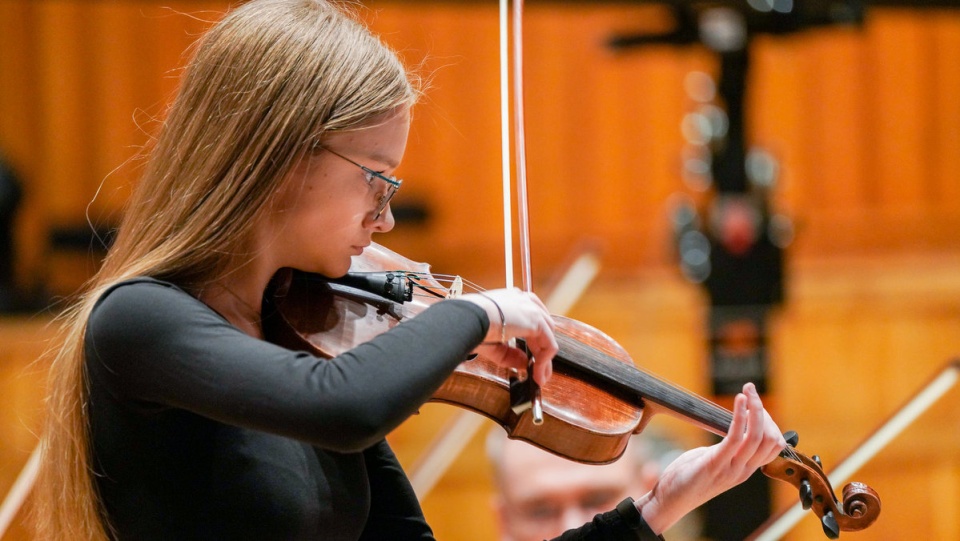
x: 383, y: 140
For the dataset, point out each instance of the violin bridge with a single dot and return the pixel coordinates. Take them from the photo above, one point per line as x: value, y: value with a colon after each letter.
x: 456, y: 288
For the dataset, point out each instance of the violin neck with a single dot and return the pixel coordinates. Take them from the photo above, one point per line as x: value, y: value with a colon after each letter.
x: 637, y: 386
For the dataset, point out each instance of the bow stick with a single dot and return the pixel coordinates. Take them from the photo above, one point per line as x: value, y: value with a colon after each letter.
x: 428, y: 469
x: 527, y: 391
x: 20, y: 490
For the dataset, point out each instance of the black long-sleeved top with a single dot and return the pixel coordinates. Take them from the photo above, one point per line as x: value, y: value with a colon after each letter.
x: 200, y: 431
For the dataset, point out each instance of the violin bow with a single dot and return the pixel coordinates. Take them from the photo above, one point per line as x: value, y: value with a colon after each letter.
x: 431, y: 465
x: 20, y: 490
x: 524, y: 394
x: 523, y: 220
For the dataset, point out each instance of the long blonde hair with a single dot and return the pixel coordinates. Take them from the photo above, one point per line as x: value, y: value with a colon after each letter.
x: 266, y: 83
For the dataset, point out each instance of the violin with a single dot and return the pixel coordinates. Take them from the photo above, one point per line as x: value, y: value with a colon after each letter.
x: 596, y: 399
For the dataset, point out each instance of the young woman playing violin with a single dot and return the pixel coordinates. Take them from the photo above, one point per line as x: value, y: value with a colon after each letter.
x: 171, y: 417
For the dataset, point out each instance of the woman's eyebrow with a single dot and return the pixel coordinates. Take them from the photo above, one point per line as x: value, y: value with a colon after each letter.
x: 384, y: 159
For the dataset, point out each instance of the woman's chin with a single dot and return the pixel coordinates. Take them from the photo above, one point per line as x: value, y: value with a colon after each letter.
x: 332, y: 270
x: 340, y: 269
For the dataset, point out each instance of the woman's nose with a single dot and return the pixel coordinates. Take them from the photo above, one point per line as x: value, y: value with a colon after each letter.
x: 385, y: 221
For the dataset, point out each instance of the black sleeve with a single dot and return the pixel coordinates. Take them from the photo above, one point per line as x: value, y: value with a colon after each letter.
x: 155, y: 346
x: 625, y: 523
x: 395, y: 512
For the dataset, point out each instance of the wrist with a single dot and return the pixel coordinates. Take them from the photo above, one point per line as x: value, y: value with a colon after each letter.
x: 653, y: 513
x: 631, y: 512
x: 496, y: 329
x: 498, y: 322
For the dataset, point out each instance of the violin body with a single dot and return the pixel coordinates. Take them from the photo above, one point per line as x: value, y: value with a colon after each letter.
x: 596, y: 399
x: 581, y: 422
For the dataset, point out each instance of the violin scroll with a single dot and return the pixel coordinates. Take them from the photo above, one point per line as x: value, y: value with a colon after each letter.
x: 859, y: 500
x: 858, y: 510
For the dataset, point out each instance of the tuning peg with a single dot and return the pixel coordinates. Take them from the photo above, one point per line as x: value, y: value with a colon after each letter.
x: 792, y: 438
x: 806, y: 494
x: 830, y: 526
x: 816, y: 458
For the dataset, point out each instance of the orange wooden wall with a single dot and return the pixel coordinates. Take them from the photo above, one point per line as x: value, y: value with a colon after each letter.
x: 865, y: 122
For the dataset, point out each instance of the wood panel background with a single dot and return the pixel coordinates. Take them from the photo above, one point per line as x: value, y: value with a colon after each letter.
x: 865, y: 123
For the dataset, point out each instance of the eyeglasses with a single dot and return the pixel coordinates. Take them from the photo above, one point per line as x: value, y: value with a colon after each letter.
x: 393, y: 183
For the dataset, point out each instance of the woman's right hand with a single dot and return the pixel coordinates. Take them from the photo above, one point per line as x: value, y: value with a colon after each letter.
x: 514, y: 313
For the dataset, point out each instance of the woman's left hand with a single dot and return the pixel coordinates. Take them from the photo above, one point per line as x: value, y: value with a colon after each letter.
x: 702, y: 473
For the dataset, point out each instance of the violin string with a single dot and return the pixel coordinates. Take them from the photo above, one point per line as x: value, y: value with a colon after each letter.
x: 453, y: 277
x: 429, y: 290
x: 789, y: 451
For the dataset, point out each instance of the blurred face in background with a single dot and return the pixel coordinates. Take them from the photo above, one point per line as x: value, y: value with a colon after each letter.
x: 542, y: 495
